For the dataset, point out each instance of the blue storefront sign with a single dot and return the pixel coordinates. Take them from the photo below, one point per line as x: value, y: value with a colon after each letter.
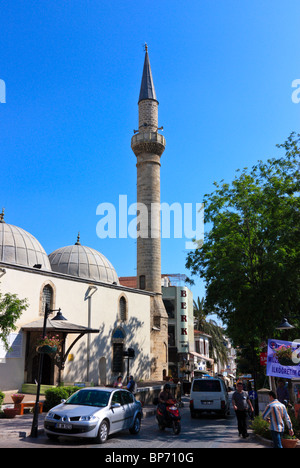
x: 283, y: 359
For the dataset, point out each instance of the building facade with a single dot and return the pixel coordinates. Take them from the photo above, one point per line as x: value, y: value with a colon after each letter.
x: 178, y: 301
x: 84, y: 285
x: 203, y: 364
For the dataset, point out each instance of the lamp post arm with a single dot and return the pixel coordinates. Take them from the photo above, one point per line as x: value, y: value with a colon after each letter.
x: 69, y: 349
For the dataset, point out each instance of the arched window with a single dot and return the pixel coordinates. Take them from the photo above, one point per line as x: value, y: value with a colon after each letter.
x: 123, y: 313
x: 142, y: 282
x: 118, y: 334
x: 46, y: 297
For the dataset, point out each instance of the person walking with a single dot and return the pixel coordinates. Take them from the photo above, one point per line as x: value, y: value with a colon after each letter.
x: 118, y: 383
x: 282, y: 392
x: 131, y: 386
x: 241, y: 403
x: 276, y: 413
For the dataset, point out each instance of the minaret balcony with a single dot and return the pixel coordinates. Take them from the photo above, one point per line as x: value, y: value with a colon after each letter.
x: 148, y: 142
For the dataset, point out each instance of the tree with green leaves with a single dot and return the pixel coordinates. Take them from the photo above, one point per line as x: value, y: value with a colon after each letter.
x: 199, y: 314
x: 218, y: 350
x: 250, y: 257
x: 11, y: 309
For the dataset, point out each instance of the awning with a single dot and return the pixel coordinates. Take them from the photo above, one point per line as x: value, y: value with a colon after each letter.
x: 199, y: 356
x: 60, y: 326
x: 57, y: 326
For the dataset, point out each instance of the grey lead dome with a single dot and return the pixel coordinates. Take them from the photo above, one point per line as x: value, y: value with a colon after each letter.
x: 83, y: 262
x: 19, y: 247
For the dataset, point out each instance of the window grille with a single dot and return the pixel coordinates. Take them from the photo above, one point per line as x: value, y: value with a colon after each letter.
x: 47, y: 297
x: 123, y: 309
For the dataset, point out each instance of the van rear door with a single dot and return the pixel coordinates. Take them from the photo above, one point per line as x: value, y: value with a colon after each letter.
x: 207, y: 394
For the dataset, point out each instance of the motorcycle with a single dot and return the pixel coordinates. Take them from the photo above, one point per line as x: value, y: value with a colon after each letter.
x: 169, y: 417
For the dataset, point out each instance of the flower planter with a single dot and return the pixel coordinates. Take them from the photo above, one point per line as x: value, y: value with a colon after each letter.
x: 17, y: 398
x: 46, y: 349
x: 10, y: 412
x: 289, y: 443
x: 48, y: 344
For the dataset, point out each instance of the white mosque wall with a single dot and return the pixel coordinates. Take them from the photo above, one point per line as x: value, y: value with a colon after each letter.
x: 71, y: 295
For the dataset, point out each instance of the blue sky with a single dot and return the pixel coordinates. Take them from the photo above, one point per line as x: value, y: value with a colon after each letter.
x: 223, y: 73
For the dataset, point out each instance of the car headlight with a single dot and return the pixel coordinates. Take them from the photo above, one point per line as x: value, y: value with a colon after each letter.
x: 50, y: 415
x: 88, y: 418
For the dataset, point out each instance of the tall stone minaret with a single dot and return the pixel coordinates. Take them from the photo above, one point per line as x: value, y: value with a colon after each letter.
x: 148, y: 146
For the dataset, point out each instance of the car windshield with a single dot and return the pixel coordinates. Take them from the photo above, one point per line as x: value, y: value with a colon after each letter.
x: 89, y: 398
x: 207, y: 386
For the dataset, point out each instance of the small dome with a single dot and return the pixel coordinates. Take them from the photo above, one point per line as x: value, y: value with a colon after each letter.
x: 83, y: 262
x: 21, y: 248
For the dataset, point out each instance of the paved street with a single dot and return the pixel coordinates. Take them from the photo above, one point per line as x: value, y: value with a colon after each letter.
x: 205, y: 432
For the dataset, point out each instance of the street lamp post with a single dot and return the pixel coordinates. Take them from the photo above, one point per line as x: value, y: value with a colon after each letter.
x: 34, y: 427
x: 129, y: 354
x: 285, y: 325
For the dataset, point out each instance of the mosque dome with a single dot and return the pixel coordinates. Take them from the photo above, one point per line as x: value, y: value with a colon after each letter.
x: 20, y: 248
x: 83, y: 262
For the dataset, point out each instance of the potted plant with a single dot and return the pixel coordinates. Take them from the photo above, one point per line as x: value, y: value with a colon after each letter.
x: 10, y: 412
x: 289, y: 441
x: 48, y: 344
x: 17, y: 398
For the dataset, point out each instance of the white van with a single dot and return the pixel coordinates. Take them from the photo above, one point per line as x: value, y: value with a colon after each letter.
x: 209, y: 395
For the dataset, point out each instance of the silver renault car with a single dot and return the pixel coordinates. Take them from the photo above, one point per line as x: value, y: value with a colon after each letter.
x: 94, y: 413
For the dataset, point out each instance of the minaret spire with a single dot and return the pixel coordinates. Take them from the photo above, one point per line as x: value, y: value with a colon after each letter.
x: 148, y: 145
x: 147, y: 90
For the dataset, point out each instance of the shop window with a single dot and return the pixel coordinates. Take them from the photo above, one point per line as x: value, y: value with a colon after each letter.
x: 170, y: 307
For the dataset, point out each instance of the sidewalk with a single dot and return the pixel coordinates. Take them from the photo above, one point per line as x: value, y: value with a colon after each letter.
x: 20, y: 426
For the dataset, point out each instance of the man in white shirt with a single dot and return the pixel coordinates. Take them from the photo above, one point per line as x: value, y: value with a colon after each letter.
x: 276, y: 413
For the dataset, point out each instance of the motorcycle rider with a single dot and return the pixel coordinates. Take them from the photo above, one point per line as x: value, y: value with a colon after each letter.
x: 164, y: 396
